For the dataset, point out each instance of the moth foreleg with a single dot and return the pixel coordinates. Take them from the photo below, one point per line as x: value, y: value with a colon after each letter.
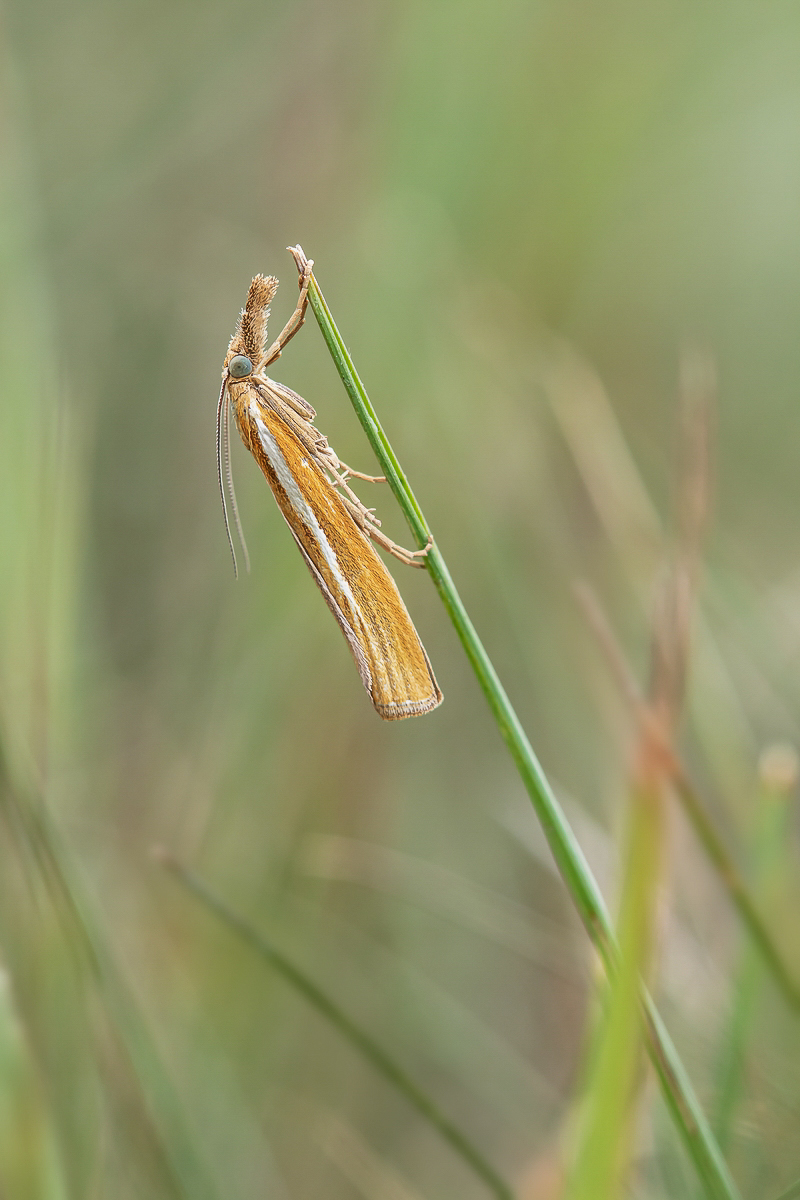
x: 295, y: 320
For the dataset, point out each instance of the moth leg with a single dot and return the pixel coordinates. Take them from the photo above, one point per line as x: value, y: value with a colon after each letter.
x: 353, y: 502
x: 348, y: 472
x: 411, y: 558
x: 327, y: 458
x: 368, y: 523
x: 295, y: 320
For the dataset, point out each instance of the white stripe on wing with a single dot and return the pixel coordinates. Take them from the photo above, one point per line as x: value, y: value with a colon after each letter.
x: 299, y: 503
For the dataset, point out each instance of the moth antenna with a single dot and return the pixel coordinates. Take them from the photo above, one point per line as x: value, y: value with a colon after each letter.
x: 226, y: 461
x: 221, y: 403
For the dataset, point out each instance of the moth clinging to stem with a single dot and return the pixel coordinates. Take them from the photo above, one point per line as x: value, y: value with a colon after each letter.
x: 330, y: 525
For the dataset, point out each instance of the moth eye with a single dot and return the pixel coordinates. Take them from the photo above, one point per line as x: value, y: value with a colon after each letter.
x: 239, y: 366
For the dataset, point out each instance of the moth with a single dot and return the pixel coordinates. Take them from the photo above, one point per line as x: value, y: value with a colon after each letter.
x: 332, y: 528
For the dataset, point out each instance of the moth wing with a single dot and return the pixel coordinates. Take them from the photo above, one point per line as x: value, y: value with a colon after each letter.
x: 295, y: 402
x: 354, y: 581
x: 402, y: 683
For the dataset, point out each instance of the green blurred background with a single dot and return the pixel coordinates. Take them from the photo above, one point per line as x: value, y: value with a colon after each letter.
x: 526, y: 216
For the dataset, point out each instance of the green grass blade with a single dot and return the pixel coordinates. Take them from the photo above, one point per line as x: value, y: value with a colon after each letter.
x: 347, y: 1027
x: 603, y: 1154
x: 676, y: 1086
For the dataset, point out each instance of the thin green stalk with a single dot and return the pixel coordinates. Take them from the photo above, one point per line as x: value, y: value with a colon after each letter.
x: 353, y: 1033
x: 678, y: 1092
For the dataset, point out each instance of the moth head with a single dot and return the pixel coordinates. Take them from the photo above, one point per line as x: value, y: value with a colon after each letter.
x: 250, y: 339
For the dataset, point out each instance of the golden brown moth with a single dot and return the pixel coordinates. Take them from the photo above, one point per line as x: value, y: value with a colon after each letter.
x: 331, y: 526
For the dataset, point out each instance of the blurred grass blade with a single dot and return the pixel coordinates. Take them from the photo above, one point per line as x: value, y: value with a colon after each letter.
x: 174, y: 1142
x: 369, y: 1174
x: 344, y: 1025
x: 33, y: 491
x: 681, y: 1099
x: 737, y: 889
x: 41, y: 491
x: 30, y: 1166
x: 603, y: 1153
x: 728, y: 873
x: 771, y: 837
x: 604, y: 1150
